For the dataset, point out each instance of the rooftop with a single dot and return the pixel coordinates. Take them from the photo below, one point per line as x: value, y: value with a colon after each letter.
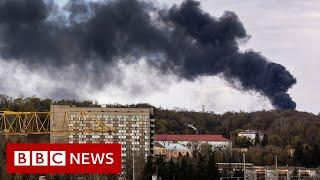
x: 174, y: 146
x: 248, y: 131
x: 193, y: 137
x: 101, y: 110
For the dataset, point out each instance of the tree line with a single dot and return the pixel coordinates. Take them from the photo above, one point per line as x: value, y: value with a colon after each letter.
x: 198, y: 166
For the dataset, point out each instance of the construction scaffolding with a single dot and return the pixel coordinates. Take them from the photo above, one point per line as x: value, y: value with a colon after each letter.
x: 28, y: 123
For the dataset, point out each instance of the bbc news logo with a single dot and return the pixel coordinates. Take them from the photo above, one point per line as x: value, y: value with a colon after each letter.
x: 39, y: 158
x: 64, y: 158
x: 58, y: 158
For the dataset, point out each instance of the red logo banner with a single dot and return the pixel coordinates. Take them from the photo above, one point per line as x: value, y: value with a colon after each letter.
x: 64, y: 158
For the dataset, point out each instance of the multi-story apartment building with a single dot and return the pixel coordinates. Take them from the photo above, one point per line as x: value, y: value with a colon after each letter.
x: 131, y: 127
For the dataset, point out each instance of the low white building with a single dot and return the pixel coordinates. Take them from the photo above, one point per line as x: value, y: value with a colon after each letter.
x: 251, y: 134
x: 173, y: 144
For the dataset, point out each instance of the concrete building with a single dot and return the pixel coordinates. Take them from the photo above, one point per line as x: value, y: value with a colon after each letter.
x: 282, y: 172
x: 171, y: 151
x: 271, y: 172
x: 131, y: 127
x: 251, y: 134
x: 173, y: 145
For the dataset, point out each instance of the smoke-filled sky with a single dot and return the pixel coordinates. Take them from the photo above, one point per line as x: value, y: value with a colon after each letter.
x: 186, y: 55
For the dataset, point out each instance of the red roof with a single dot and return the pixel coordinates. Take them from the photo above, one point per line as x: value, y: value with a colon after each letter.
x: 193, y: 137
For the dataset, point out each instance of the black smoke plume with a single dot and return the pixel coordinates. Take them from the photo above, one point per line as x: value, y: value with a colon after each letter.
x: 181, y: 39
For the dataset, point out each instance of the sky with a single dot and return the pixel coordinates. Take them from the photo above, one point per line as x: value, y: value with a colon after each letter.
x: 286, y: 32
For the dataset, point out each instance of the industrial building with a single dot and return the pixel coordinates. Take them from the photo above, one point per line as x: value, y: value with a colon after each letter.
x: 131, y: 127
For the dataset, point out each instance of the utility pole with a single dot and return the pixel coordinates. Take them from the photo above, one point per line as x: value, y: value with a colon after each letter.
x: 244, y: 166
x: 133, y: 169
x: 277, y: 164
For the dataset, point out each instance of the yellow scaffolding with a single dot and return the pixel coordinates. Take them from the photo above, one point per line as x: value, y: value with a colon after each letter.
x: 25, y: 123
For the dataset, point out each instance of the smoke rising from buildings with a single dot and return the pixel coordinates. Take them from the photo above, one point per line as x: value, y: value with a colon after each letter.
x: 93, y: 37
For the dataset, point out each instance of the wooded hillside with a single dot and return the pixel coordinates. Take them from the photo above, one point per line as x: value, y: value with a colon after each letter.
x: 285, y: 129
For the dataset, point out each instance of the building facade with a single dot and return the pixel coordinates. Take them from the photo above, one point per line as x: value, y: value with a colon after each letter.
x: 281, y: 172
x: 271, y: 172
x: 175, y: 145
x: 171, y: 151
x: 251, y: 134
x: 131, y: 127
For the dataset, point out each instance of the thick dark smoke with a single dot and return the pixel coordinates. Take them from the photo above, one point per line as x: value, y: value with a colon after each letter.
x: 183, y: 39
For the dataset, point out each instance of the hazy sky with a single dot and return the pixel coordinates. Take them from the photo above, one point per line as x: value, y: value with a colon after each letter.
x: 286, y: 32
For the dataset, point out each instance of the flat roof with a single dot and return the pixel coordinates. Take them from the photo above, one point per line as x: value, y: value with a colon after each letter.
x: 74, y: 109
x: 250, y: 132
